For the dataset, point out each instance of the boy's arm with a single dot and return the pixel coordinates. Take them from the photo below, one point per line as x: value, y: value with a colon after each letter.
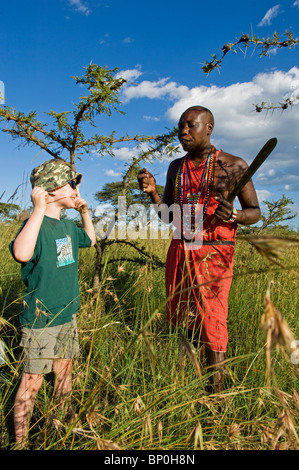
x: 81, y: 206
x: 24, y: 244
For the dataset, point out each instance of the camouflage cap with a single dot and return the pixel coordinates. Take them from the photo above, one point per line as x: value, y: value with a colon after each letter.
x: 53, y: 174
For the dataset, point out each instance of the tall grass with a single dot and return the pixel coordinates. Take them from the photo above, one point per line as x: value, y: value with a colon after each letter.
x: 136, y: 386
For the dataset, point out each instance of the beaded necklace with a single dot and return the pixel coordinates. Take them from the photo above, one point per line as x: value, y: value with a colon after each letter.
x: 182, y: 181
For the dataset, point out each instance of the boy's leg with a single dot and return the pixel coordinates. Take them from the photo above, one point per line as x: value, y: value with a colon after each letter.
x: 24, y: 403
x: 36, y: 363
x: 62, y: 369
x: 66, y: 348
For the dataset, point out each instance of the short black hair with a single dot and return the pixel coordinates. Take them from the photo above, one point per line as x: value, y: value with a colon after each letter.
x: 202, y: 109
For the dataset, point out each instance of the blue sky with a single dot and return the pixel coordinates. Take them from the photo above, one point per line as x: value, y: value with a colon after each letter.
x: 160, y: 47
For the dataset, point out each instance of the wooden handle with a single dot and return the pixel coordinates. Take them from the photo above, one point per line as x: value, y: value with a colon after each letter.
x: 254, y: 166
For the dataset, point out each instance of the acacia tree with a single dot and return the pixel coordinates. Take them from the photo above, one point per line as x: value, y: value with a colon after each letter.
x: 67, y: 136
x: 277, y: 212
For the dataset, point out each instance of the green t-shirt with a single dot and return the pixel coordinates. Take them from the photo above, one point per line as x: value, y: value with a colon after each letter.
x: 51, y: 276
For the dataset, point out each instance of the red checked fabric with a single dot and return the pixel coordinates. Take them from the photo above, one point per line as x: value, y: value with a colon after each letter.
x: 198, y: 280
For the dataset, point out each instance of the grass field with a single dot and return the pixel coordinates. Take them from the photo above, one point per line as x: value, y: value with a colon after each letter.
x: 136, y: 387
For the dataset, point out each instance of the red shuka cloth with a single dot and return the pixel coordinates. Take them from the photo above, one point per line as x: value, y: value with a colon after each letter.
x: 198, y: 280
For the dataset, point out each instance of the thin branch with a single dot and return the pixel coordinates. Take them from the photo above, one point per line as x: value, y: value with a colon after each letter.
x: 30, y: 138
x: 107, y: 140
x: 28, y: 127
x: 266, y: 45
x: 142, y: 251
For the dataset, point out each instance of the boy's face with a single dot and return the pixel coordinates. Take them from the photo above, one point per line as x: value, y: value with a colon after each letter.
x: 64, y: 197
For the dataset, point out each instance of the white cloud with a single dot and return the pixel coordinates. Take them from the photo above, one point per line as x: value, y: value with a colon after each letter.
x: 271, y: 13
x: 112, y: 173
x: 154, y: 90
x: 151, y: 118
x: 233, y: 106
x: 125, y: 153
x: 128, y: 40
x: 288, y: 179
x: 296, y: 4
x: 130, y: 75
x: 80, y: 6
x: 263, y: 195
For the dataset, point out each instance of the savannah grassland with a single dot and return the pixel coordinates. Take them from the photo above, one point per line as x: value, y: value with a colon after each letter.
x: 139, y: 386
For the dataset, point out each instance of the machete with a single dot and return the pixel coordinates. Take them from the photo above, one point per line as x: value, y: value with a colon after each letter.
x: 254, y: 166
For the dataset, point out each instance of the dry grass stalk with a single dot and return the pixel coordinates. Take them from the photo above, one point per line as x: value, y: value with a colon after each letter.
x: 278, y: 333
x: 284, y: 428
x: 272, y: 248
x: 102, y: 444
x: 191, y: 354
x: 144, y: 334
x: 4, y: 323
x: 234, y: 431
x: 295, y: 399
x: 148, y: 428
x: 138, y: 405
x: 160, y: 431
x: 56, y: 423
x: 198, y: 437
x: 95, y: 419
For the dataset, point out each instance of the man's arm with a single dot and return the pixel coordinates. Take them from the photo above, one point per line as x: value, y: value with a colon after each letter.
x: 24, y: 244
x: 250, y: 212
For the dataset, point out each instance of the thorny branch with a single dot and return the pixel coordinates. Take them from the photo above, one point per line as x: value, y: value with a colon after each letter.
x: 266, y: 45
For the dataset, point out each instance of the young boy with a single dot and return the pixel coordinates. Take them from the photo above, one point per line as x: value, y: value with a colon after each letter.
x: 48, y: 247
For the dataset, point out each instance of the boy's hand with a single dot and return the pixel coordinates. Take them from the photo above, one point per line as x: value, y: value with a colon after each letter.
x: 39, y: 198
x: 81, y: 205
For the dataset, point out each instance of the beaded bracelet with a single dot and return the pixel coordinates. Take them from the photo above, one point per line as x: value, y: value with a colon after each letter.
x: 232, y: 217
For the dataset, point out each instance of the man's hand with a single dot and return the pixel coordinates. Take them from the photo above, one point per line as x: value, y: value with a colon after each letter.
x: 147, y: 182
x: 224, y: 209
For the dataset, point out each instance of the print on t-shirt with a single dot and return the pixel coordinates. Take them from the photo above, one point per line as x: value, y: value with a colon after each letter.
x: 64, y: 251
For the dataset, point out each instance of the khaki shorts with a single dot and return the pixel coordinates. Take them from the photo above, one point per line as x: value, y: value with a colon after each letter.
x: 42, y: 345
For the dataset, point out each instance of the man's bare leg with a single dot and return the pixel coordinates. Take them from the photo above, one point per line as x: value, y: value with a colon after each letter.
x: 217, y: 379
x: 24, y: 404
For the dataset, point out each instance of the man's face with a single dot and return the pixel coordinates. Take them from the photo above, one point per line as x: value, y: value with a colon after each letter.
x: 194, y: 130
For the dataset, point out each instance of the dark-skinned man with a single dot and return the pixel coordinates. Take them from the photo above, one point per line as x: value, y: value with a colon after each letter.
x: 199, y: 273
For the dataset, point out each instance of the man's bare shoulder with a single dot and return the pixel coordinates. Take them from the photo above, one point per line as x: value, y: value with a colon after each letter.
x: 176, y: 163
x: 231, y: 160
x: 174, y: 167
